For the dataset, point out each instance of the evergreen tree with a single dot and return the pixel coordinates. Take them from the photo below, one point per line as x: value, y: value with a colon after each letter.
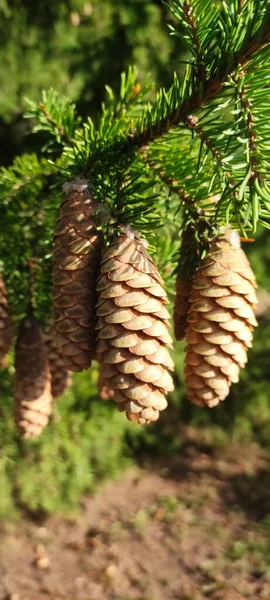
x: 178, y: 170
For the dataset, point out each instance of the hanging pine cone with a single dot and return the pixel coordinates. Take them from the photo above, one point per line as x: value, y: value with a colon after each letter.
x: 105, y: 392
x: 76, y: 258
x: 61, y: 379
x: 6, y: 329
x: 133, y: 329
x: 32, y: 383
x: 181, y: 306
x: 221, y: 320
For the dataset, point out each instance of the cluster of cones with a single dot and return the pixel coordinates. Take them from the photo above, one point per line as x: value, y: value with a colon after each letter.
x: 110, y: 304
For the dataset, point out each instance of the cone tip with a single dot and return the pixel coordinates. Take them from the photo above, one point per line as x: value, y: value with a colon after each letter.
x: 133, y: 234
x: 76, y: 185
x: 232, y: 236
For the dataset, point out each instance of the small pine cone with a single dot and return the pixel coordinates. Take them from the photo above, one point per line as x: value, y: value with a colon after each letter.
x: 220, y: 321
x: 133, y: 329
x: 181, y: 306
x: 6, y: 328
x: 32, y: 382
x: 61, y: 379
x: 76, y: 259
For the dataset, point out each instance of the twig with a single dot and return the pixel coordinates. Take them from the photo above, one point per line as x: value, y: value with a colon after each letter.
x: 188, y: 10
x: 59, y: 129
x: 246, y: 105
x: 193, y: 123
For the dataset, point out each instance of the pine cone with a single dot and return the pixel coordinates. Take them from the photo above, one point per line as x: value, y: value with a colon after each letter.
x: 133, y: 329
x: 6, y: 328
x: 76, y: 259
x: 32, y: 383
x: 105, y: 392
x: 221, y: 320
x: 61, y: 379
x: 181, y: 306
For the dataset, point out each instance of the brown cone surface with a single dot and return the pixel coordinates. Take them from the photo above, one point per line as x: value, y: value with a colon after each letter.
x: 181, y: 306
x: 32, y: 382
x: 105, y: 392
x: 132, y: 330
x: 220, y: 321
x: 61, y: 379
x: 6, y: 328
x: 76, y: 259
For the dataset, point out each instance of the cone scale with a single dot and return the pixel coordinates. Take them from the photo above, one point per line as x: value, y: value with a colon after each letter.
x: 220, y: 321
x: 32, y: 382
x: 76, y: 257
x: 60, y: 378
x: 132, y: 330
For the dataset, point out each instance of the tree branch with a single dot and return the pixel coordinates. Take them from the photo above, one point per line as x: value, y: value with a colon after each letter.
x: 196, y: 100
x: 197, y: 214
x: 188, y: 10
x: 246, y: 106
x: 193, y: 123
x: 172, y: 183
x: 60, y: 130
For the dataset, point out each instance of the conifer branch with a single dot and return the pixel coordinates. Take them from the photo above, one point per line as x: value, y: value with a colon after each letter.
x: 180, y: 171
x: 194, y: 124
x: 56, y: 115
x: 61, y: 133
x: 27, y: 170
x: 246, y: 106
x: 196, y: 229
x: 185, y: 198
x: 188, y: 10
x: 241, y: 5
x: 198, y: 99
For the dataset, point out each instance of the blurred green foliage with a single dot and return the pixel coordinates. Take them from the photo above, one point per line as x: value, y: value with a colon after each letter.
x: 78, y: 47
x: 85, y: 442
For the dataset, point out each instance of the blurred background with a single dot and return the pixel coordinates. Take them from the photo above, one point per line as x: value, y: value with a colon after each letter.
x: 203, y: 468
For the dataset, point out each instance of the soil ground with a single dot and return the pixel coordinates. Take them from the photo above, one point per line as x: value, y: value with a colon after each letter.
x: 196, y: 527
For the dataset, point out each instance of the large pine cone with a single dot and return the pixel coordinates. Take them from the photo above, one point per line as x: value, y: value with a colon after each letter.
x: 61, y: 379
x: 32, y: 383
x: 221, y: 320
x: 181, y: 306
x: 6, y: 328
x: 76, y: 260
x: 133, y: 329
